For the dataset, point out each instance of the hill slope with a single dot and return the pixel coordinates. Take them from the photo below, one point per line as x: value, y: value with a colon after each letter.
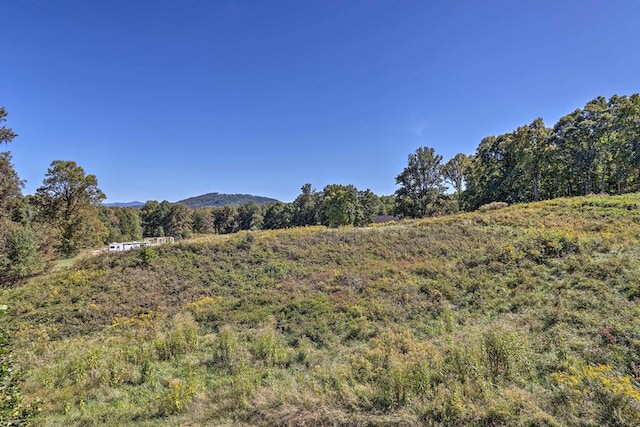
x: 217, y: 199
x: 527, y: 315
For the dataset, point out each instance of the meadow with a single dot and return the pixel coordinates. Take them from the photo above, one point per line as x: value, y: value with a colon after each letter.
x: 526, y: 315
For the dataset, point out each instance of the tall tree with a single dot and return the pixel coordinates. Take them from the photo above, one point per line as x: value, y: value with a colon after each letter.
x: 179, y: 221
x: 203, y: 220
x: 421, y: 184
x: 155, y: 218
x: 277, y: 215
x: 69, y: 199
x: 10, y: 185
x: 537, y: 152
x: 455, y: 171
x: 370, y: 207
x: 306, y: 207
x: 225, y: 219
x: 250, y: 216
x: 6, y: 134
x: 340, y: 205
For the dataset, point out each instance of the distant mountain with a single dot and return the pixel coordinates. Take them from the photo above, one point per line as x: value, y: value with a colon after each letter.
x: 135, y: 204
x: 217, y: 199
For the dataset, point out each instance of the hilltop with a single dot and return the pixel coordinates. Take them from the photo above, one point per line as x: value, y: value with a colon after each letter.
x: 525, y: 315
x: 217, y: 199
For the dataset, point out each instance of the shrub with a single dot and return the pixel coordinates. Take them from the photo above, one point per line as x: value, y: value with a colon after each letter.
x: 493, y: 206
x: 181, y: 338
x: 612, y: 397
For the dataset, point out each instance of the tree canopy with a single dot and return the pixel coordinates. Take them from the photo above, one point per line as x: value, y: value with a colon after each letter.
x: 69, y: 199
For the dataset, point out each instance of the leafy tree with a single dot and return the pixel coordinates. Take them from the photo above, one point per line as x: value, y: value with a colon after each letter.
x: 179, y: 221
x: 250, y: 216
x: 19, y: 257
x: 130, y: 224
x: 625, y: 142
x: 454, y: 172
x: 69, y: 200
x: 340, y: 205
x: 203, y: 220
x: 277, y: 215
x: 154, y: 217
x: 10, y: 185
x: 537, y: 150
x: 225, y: 219
x: 6, y: 134
x: 388, y: 204
x: 370, y: 207
x: 123, y: 224
x: 306, y: 207
x: 421, y: 184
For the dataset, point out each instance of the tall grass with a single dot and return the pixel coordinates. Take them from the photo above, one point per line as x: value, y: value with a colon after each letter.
x: 524, y: 315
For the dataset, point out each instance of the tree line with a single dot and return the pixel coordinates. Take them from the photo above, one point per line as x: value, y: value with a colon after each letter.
x: 594, y: 149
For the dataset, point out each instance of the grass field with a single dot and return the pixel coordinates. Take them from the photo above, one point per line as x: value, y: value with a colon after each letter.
x: 527, y: 315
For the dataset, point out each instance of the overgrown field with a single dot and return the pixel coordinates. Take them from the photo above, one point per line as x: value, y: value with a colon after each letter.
x: 527, y: 315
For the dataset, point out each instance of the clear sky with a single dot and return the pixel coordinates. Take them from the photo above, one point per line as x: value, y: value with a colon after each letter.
x: 164, y: 100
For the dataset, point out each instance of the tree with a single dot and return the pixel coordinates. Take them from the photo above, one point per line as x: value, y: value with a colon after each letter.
x: 420, y: 184
x: 154, y: 217
x: 277, y: 215
x: 69, y: 199
x: 19, y: 257
x: 225, y: 219
x: 6, y: 134
x: 306, y: 207
x: 203, y: 220
x: 537, y: 151
x: 340, y: 205
x: 250, y: 216
x: 179, y: 221
x: 123, y: 224
x: 10, y: 185
x: 370, y: 207
x: 454, y: 172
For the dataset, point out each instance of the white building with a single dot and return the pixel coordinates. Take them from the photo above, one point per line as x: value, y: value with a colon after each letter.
x: 126, y: 246
x: 148, y: 241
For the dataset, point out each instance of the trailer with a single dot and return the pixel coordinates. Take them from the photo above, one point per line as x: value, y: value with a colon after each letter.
x: 126, y: 246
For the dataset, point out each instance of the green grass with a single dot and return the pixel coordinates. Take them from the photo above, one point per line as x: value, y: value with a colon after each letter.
x: 525, y: 315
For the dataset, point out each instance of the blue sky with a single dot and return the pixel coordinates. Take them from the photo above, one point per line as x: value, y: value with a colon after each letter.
x: 164, y: 100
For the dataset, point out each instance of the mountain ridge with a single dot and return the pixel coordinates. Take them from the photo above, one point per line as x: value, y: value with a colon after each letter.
x: 222, y: 199
x: 205, y: 200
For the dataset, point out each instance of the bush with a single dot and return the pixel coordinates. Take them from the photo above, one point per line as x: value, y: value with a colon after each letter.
x: 21, y: 257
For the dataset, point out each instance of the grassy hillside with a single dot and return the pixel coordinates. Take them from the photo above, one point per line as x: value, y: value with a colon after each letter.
x: 527, y: 315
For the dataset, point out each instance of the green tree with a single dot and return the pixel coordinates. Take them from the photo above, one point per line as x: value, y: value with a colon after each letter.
x: 19, y: 257
x: 537, y: 153
x: 455, y: 171
x: 203, y: 221
x: 10, y: 185
x: 6, y: 134
x: 388, y: 204
x: 225, y: 219
x: 250, y: 216
x: 340, y: 205
x: 154, y: 216
x: 306, y: 207
x: 69, y: 200
x: 123, y: 224
x: 179, y: 221
x: 277, y: 215
x: 370, y: 207
x: 421, y: 184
